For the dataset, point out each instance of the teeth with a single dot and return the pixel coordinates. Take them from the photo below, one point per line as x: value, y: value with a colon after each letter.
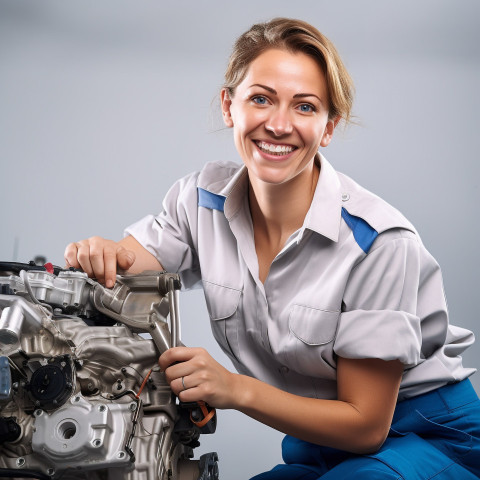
x: 276, y: 149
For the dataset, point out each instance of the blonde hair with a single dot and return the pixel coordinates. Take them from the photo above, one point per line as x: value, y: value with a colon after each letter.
x: 295, y: 36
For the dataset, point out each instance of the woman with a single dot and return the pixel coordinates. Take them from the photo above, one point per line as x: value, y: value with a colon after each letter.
x: 322, y: 294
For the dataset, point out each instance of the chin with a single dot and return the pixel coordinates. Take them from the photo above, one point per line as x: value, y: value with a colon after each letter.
x: 272, y: 178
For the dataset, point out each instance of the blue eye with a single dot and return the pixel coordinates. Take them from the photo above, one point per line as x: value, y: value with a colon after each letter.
x: 259, y: 100
x: 306, y: 108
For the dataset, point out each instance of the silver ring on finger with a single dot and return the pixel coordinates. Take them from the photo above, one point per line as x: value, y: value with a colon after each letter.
x: 183, y: 383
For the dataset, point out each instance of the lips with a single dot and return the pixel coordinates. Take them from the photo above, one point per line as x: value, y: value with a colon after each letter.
x: 274, y: 148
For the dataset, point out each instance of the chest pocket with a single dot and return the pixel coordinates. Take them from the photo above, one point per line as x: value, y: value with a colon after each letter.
x: 311, y: 335
x: 223, y: 308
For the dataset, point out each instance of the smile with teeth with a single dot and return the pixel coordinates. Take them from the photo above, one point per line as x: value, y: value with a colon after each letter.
x: 274, y: 149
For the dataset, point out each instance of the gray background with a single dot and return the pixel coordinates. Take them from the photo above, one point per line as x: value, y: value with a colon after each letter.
x: 104, y: 104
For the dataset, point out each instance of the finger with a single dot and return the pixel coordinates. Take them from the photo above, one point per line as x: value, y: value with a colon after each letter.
x: 83, y: 257
x: 109, y: 265
x: 125, y: 258
x: 70, y: 256
x: 178, y: 386
x: 173, y: 355
x: 179, y: 370
x: 96, y: 258
x: 194, y: 394
x: 190, y: 382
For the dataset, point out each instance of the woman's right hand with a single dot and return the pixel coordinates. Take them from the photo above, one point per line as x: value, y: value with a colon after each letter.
x: 99, y: 258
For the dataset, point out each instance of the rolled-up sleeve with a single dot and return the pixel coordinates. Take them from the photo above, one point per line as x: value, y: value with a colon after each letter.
x: 170, y: 235
x: 379, y: 314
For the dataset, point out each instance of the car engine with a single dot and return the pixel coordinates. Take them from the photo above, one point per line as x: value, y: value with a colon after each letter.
x: 81, y: 393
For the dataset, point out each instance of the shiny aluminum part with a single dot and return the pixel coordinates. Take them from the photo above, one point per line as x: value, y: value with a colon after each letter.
x: 97, y: 431
x: 141, y: 303
x: 83, y: 434
x: 68, y: 289
x: 11, y: 321
x: 18, y: 316
x: 148, y: 323
x: 174, y: 314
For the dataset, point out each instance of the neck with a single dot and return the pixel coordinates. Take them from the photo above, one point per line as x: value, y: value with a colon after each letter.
x: 279, y: 210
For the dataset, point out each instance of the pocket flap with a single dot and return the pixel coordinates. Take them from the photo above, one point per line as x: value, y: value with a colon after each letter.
x: 313, y: 326
x: 222, y: 302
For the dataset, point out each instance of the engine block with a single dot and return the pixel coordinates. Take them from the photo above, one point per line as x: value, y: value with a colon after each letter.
x: 81, y: 395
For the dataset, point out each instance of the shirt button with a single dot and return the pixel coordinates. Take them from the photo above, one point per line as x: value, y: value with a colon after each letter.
x: 345, y: 197
x: 284, y: 369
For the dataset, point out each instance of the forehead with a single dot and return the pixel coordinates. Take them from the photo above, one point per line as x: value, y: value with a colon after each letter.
x: 285, y: 70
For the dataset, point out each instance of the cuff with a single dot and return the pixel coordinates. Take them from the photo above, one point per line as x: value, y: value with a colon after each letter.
x: 383, y: 334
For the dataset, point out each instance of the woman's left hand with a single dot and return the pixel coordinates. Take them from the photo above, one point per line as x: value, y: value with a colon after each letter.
x: 203, y: 377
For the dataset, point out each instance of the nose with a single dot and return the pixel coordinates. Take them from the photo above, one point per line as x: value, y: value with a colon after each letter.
x: 279, y: 122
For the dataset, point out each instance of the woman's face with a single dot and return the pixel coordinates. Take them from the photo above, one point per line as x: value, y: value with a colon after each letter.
x: 279, y: 115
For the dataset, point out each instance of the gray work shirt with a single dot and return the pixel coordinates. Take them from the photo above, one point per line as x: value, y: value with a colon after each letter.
x: 354, y: 281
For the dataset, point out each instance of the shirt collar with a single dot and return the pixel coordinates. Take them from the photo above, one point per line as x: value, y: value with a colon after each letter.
x: 235, y: 191
x: 324, y: 214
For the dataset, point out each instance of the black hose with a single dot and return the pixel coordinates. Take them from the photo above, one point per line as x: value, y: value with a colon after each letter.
x: 16, y: 267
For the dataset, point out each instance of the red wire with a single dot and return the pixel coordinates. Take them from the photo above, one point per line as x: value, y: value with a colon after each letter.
x: 143, y: 383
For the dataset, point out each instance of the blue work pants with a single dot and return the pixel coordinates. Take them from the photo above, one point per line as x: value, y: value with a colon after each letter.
x: 433, y: 436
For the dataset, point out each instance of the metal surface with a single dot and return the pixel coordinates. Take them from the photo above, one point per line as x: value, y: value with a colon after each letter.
x: 73, y: 383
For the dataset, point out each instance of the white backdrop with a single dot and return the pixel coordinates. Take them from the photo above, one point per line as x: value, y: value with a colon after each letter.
x: 104, y: 104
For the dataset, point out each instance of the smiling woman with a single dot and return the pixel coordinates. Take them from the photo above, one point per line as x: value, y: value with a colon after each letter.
x: 279, y: 113
x: 280, y: 116
x: 322, y: 294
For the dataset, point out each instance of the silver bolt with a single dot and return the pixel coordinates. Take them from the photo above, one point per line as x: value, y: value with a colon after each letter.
x: 38, y: 412
x: 97, y: 443
x: 20, y: 462
x: 132, y: 406
x: 121, y: 455
x: 50, y: 471
x: 102, y: 408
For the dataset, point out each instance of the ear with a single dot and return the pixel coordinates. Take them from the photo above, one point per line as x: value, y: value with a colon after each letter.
x: 328, y: 133
x: 226, y: 102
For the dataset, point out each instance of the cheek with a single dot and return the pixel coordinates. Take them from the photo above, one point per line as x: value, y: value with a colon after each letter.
x: 242, y: 127
x: 312, y: 139
x: 315, y: 135
x: 246, y: 120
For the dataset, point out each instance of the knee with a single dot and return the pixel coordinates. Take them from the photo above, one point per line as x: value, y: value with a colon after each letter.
x: 362, y: 468
x: 375, y: 472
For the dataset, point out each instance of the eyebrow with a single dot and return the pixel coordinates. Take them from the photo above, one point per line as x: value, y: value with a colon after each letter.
x: 297, y: 95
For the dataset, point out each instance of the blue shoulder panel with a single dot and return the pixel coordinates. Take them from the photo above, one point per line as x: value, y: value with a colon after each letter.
x: 210, y: 200
x: 363, y: 233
